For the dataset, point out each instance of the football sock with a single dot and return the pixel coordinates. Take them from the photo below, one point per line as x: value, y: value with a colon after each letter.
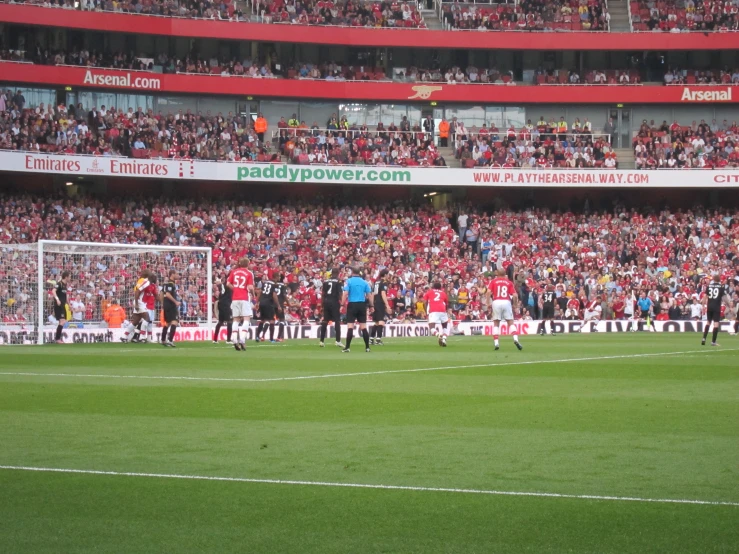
x: 322, y: 336
x: 337, y: 329
x: 137, y: 330
x: 444, y: 330
x: 241, y: 337
x: 705, y: 331
x: 373, y: 331
x: 365, y: 336
x: 349, y: 336
x: 238, y: 332
x: 172, y: 329
x: 272, y: 330
x: 380, y: 331
x: 58, y: 334
x: 260, y: 327
x: 496, y: 334
x: 164, y: 333
x: 230, y: 329
x: 715, y: 333
x: 515, y: 338
x: 216, y: 331
x: 281, y: 333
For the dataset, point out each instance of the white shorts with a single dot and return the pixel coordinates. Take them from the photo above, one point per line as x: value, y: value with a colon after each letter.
x: 141, y: 307
x: 241, y: 308
x: 594, y: 315
x: 502, y: 310
x: 438, y: 317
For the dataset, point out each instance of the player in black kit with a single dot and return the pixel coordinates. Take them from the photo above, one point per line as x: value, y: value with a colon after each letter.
x: 224, y: 311
x: 60, y: 306
x: 548, y: 298
x: 267, y: 302
x: 171, y: 305
x: 281, y: 292
x: 715, y: 297
x: 331, y: 297
x: 382, y: 308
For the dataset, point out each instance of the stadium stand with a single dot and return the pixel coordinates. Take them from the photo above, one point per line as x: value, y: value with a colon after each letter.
x: 676, y: 146
x: 354, y: 13
x: 528, y: 15
x: 678, y: 16
x: 585, y: 254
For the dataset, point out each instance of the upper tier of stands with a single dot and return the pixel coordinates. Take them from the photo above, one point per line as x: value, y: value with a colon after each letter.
x: 676, y: 16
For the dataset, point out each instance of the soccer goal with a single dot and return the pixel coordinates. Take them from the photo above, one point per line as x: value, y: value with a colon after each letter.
x: 100, y: 288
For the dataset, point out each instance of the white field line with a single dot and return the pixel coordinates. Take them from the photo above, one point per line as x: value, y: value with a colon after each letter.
x: 369, y: 486
x: 356, y: 374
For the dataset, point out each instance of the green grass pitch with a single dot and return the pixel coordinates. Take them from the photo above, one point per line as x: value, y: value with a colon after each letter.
x: 646, y: 416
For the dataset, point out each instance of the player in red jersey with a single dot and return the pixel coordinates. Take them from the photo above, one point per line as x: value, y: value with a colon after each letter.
x: 503, y: 294
x: 437, y: 305
x: 149, y: 297
x: 241, y: 283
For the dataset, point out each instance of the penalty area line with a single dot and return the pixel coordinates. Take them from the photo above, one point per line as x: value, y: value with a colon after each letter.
x: 490, y: 492
x: 358, y: 373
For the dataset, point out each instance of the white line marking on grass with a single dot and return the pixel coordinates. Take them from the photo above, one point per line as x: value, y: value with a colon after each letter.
x: 369, y: 486
x: 359, y: 373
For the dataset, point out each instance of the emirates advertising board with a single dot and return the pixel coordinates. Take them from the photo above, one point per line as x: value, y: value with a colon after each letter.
x: 178, y: 169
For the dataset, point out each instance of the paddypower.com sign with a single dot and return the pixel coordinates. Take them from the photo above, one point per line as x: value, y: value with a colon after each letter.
x: 321, y: 174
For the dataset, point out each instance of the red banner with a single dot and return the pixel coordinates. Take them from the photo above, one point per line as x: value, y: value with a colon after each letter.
x: 139, y: 81
x: 406, y: 38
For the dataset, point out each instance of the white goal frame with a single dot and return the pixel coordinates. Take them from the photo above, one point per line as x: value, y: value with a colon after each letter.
x: 116, y: 245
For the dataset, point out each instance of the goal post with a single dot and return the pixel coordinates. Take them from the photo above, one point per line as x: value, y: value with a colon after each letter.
x: 100, y: 288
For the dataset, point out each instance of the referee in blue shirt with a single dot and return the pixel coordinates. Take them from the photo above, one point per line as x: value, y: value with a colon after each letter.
x: 358, y: 292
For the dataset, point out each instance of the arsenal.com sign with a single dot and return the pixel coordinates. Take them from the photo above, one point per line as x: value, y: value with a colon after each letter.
x: 256, y: 173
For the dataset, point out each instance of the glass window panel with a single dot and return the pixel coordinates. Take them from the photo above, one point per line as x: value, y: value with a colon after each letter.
x: 35, y: 96
x: 317, y: 112
x: 273, y: 110
x: 354, y: 113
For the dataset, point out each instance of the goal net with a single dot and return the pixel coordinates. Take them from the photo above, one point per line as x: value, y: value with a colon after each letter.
x: 100, y: 288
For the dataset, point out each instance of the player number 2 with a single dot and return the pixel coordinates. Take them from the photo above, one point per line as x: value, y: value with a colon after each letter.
x: 330, y: 288
x: 437, y: 296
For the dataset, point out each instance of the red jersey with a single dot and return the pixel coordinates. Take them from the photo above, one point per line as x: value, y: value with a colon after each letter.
x: 241, y: 279
x: 149, y: 296
x: 501, y: 288
x: 437, y: 300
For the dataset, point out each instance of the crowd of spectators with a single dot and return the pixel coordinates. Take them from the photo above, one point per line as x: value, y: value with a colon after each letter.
x: 590, y: 77
x: 546, y: 144
x: 222, y: 10
x: 592, y: 258
x: 105, y: 131
x: 698, y: 145
x: 529, y: 15
x: 343, y: 143
x: 349, y: 13
x: 680, y: 16
x: 675, y: 76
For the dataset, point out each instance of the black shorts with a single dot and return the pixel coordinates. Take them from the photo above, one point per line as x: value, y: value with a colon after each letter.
x: 331, y: 312
x: 224, y: 313
x: 547, y: 311
x: 60, y: 312
x: 356, y: 312
x: 713, y: 313
x: 266, y: 312
x: 171, y: 314
x: 380, y: 313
